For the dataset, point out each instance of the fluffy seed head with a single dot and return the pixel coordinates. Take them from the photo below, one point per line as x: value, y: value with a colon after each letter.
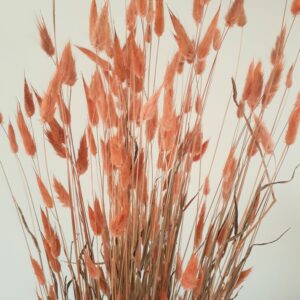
x: 67, y: 66
x: 289, y: 78
x: 48, y: 201
x: 189, y: 278
x: 101, y: 34
x: 45, y: 40
x: 28, y: 141
x: 28, y: 100
x: 49, y: 101
x: 217, y: 41
x: 234, y: 13
x: 277, y: 52
x: 185, y: 45
x: 159, y: 23
x: 263, y: 136
x: 149, y: 109
x: 92, y: 21
x: 38, y: 271
x: 61, y: 192
x: 82, y: 157
x: 141, y: 7
x: 93, y: 270
x: 295, y: 8
x: 91, y: 140
x: 293, y: 123
x: 242, y: 277
x: 255, y: 86
x: 207, y: 40
x: 206, y: 188
x: 118, y: 223
x: 248, y: 82
x: 198, y: 9
x: 199, y: 227
x: 272, y: 84
x: 12, y: 139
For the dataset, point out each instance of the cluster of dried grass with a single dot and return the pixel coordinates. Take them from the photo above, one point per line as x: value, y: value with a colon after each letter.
x: 127, y: 243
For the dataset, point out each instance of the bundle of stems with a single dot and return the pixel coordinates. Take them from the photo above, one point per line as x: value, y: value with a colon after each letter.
x: 111, y: 225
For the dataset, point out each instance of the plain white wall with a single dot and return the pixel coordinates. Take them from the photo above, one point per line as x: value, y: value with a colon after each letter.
x: 277, y: 266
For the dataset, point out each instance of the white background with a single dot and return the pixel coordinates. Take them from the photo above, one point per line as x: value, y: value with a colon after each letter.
x: 276, y: 267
